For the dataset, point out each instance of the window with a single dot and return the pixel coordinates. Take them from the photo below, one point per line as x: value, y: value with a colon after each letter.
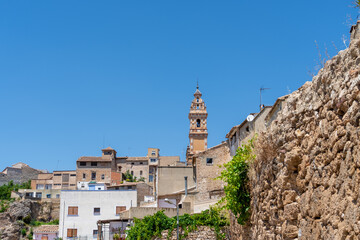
x: 197, y: 106
x: 82, y: 163
x: 93, y: 176
x: 38, y: 195
x: 72, y: 175
x: 72, y: 185
x: 132, y: 163
x: 153, y: 153
x: 57, y: 184
x: 95, y: 233
x: 197, y: 99
x: 48, y: 195
x: 102, y: 176
x: 151, y: 178
x: 107, y: 153
x: 96, y: 211
x: 247, y: 129
x: 44, y: 237
x: 93, y: 164
x: 209, y: 161
x: 132, y: 172
x: 84, y: 175
x: 153, y: 160
x: 198, y: 123
x: 141, y: 163
x: 141, y: 172
x: 129, y: 187
x: 39, y: 186
x: 72, y: 211
x: 57, y: 195
x: 119, y: 168
x: 72, y: 232
x: 48, y: 186
x: 57, y: 174
x: 120, y: 209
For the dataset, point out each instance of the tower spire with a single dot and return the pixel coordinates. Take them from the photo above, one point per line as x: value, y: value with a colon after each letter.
x: 197, y: 84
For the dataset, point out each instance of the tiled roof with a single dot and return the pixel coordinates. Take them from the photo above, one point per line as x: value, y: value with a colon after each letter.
x: 47, y: 229
x: 137, y: 159
x: 108, y: 148
x: 93, y: 159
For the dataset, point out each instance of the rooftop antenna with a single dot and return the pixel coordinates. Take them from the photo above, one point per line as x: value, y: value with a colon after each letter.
x: 262, y: 89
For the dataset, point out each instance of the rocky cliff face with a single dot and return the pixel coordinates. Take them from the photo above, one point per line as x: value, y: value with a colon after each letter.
x: 11, y: 221
x: 306, y: 179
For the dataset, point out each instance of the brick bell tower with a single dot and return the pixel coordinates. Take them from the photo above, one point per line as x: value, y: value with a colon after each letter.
x: 198, y: 126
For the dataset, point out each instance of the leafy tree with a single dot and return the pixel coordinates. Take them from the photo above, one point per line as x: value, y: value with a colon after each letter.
x: 5, y: 190
x: 237, y: 193
x: 129, y: 177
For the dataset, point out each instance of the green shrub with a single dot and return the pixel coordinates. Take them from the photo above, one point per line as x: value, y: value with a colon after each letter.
x: 23, y: 232
x: 235, y: 175
x: 152, y: 226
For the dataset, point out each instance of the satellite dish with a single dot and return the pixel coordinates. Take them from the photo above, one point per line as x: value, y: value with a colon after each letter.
x: 250, y: 118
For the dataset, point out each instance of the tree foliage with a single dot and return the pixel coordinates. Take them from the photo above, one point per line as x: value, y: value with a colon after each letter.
x: 5, y: 190
x: 235, y: 175
x: 152, y: 226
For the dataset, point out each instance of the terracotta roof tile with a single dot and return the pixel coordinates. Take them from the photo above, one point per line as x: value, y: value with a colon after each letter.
x: 93, y: 159
x: 47, y: 229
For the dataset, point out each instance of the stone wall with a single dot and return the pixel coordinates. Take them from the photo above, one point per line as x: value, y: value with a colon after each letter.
x: 18, y: 175
x: 305, y: 181
x: 202, y: 233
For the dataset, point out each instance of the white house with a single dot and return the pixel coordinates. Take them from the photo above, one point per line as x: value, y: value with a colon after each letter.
x: 80, y: 210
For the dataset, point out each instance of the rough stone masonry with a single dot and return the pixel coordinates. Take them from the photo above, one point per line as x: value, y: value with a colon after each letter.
x: 305, y: 181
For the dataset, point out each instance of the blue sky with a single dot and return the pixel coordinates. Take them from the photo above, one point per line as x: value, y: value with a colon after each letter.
x: 76, y: 76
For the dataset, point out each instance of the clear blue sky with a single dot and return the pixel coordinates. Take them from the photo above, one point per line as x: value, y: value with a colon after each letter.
x: 76, y: 76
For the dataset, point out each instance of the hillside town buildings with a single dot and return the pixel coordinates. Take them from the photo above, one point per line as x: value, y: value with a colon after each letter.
x: 104, y: 194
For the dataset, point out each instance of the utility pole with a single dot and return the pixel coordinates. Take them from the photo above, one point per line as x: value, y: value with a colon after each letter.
x: 262, y: 89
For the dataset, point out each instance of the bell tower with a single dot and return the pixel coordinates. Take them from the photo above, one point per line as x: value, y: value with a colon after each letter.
x: 198, y: 126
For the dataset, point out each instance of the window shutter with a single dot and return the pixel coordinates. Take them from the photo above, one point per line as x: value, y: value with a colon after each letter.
x: 69, y: 233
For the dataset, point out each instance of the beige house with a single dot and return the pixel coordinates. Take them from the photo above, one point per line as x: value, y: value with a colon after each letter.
x: 56, y: 180
x: 239, y: 134
x: 278, y: 106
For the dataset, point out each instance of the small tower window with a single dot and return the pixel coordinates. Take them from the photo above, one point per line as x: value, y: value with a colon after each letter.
x: 197, y: 106
x: 198, y: 123
x: 197, y: 100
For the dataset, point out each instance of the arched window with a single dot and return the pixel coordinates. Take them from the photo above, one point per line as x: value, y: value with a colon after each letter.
x: 141, y: 173
x: 197, y: 106
x: 197, y: 100
x: 198, y: 123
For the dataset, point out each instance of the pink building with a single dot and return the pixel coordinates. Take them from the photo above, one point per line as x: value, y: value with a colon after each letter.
x: 46, y: 232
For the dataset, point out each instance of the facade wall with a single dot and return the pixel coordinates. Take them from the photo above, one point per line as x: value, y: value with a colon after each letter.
x: 103, y: 173
x: 50, y: 236
x: 86, y: 221
x: 171, y: 179
x: 206, y: 185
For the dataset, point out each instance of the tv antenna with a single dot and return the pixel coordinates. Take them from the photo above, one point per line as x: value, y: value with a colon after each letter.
x: 261, y: 90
